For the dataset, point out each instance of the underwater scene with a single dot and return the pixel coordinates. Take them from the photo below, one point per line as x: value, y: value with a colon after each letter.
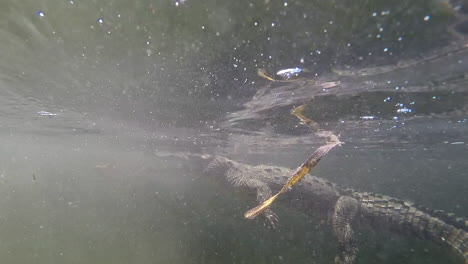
x: 208, y: 131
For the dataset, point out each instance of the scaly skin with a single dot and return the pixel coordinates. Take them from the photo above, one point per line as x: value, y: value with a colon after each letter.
x: 407, y: 218
x: 321, y: 195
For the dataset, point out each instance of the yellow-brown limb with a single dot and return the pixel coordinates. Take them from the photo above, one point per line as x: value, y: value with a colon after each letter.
x: 262, y: 73
x: 296, y: 177
x: 254, y: 212
x: 298, y: 113
x: 311, y: 162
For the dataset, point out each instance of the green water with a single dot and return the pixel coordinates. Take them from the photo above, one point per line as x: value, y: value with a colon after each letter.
x: 97, y: 96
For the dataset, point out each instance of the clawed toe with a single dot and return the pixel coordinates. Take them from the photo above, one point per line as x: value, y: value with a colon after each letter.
x: 271, y: 219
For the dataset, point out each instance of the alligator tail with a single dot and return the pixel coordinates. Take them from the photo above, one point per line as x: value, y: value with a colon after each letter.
x: 406, y: 218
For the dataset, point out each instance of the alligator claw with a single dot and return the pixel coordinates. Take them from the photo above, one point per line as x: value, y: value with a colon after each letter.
x: 271, y: 219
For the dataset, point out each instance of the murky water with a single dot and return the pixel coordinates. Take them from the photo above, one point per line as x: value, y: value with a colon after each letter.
x: 100, y: 100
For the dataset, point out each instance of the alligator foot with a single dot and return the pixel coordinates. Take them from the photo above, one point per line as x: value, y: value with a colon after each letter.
x: 271, y: 219
x: 345, y: 210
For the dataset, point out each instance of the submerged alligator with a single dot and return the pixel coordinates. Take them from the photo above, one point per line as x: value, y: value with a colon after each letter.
x: 344, y: 205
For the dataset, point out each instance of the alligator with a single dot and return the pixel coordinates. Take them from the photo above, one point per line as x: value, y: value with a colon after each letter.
x: 344, y: 206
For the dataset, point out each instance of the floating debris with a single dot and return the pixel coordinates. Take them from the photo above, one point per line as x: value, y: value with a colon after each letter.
x: 285, y: 75
x: 368, y: 117
x: 404, y: 110
x: 327, y: 85
x: 103, y: 165
x: 291, y: 72
x: 45, y: 113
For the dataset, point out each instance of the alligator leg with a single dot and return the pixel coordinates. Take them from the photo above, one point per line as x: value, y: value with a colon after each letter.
x: 240, y: 175
x: 240, y: 178
x: 345, y: 210
x: 263, y: 193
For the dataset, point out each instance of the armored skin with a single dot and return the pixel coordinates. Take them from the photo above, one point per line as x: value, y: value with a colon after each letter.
x: 345, y: 204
